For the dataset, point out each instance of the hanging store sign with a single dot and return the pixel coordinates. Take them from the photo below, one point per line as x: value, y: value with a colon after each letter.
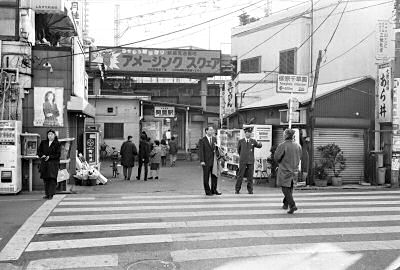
x: 162, y: 111
x: 163, y: 61
x: 229, y: 98
x: 384, y: 93
x: 292, y: 84
x: 382, y: 39
x: 396, y: 108
x: 45, y: 6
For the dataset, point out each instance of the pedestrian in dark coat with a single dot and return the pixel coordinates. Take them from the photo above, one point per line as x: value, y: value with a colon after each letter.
x: 49, y: 152
x: 207, y: 151
x: 128, y: 153
x: 288, y: 155
x: 173, y: 151
x: 246, y: 160
x: 144, y: 156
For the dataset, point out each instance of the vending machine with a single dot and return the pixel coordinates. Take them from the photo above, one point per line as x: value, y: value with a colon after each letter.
x: 10, y: 156
x: 262, y: 134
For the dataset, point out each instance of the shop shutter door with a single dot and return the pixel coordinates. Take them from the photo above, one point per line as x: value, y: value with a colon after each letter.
x: 277, y: 135
x: 351, y: 141
x: 196, y: 132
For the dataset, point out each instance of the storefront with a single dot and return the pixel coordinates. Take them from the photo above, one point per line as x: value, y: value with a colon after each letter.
x: 344, y: 115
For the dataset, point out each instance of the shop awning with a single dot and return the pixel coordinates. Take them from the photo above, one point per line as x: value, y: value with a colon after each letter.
x: 80, y: 105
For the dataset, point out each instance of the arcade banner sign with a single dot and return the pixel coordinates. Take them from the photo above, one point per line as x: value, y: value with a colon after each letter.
x: 163, y: 61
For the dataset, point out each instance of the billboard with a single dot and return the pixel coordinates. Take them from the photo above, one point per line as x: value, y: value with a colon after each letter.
x: 163, y: 61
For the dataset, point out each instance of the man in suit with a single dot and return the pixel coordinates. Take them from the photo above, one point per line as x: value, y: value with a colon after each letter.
x: 208, y: 148
x: 246, y: 160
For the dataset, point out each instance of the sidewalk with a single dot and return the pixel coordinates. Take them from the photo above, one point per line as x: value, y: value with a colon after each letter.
x: 185, y: 178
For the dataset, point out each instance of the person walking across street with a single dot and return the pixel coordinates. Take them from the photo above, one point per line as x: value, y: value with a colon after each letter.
x: 144, y: 154
x: 128, y: 153
x: 246, y: 160
x: 208, y: 148
x: 173, y: 151
x: 49, y: 152
x: 288, y: 155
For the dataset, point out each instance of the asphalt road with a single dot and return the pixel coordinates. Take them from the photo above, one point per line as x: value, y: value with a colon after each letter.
x: 171, y: 224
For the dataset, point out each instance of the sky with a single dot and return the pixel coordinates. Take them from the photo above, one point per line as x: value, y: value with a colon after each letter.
x: 145, y: 19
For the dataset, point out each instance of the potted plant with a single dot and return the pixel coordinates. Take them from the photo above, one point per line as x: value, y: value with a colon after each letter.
x: 320, y: 175
x: 333, y: 159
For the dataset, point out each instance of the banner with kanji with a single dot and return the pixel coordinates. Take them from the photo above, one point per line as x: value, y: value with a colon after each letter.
x: 163, y: 61
x: 384, y: 93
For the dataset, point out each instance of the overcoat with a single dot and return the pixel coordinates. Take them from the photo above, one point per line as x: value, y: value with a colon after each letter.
x: 144, y: 151
x: 288, y: 155
x: 155, y: 155
x: 128, y: 153
x: 49, y: 169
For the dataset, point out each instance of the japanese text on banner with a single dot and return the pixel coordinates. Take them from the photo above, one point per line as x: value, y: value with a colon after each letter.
x: 384, y: 93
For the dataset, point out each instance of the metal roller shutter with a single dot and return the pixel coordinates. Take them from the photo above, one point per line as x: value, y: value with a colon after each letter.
x: 351, y: 141
x: 196, y: 132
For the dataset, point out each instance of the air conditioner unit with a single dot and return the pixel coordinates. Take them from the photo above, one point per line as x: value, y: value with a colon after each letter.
x: 14, y: 72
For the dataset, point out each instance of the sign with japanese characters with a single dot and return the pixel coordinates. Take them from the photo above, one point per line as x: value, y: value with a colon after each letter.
x: 384, y: 93
x: 160, y: 111
x: 229, y: 98
x: 292, y: 83
x: 382, y: 39
x: 163, y: 61
x: 396, y: 108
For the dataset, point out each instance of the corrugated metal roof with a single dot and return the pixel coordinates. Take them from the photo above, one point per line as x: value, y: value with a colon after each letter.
x: 322, y: 90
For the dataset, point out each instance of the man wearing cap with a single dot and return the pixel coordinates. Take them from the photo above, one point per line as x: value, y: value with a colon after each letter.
x: 288, y: 155
x: 246, y: 160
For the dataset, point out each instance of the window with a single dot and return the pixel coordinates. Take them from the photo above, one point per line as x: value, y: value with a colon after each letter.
x: 251, y: 65
x: 110, y: 109
x: 287, y: 61
x: 113, y: 130
x: 9, y: 20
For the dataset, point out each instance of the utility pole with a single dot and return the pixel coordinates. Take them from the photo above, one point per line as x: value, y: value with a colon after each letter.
x: 311, y: 118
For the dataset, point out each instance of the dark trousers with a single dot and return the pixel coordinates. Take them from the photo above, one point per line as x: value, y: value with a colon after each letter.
x: 127, y: 172
x: 146, y: 169
x: 288, y: 196
x: 207, y: 171
x: 50, y: 185
x: 164, y: 161
x: 248, y: 170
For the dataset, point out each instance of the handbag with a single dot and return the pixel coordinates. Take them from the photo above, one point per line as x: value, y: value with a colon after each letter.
x: 62, y: 175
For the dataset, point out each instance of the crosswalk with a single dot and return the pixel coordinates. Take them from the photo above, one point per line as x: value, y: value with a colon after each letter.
x: 331, y: 230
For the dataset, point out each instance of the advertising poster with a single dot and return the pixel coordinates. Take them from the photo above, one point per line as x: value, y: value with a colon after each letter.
x: 48, y: 109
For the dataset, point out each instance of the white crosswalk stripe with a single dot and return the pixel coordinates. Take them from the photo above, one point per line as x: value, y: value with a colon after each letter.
x: 220, y: 228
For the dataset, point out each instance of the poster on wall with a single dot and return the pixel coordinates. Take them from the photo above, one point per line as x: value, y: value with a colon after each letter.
x: 384, y: 94
x: 48, y: 109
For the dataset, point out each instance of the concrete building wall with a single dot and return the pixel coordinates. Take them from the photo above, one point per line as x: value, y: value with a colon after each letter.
x: 125, y: 111
x: 350, y: 54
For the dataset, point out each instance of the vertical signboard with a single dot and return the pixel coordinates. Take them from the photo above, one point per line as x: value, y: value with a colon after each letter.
x: 396, y: 115
x: 382, y: 39
x: 91, y: 147
x: 229, y: 97
x: 384, y: 93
